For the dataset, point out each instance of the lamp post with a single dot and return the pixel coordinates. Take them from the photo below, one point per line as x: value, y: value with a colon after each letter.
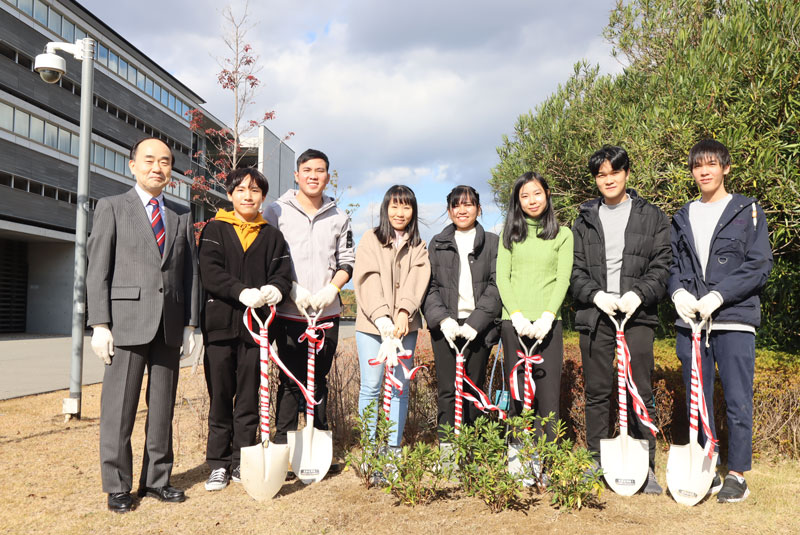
x: 50, y: 67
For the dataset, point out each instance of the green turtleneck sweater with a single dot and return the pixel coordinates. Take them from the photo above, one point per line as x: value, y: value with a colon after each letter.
x: 533, y: 277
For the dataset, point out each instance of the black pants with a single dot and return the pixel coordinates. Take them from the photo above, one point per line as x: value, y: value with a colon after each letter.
x: 295, y: 355
x: 233, y: 379
x: 546, y: 376
x: 476, y: 356
x: 600, y: 381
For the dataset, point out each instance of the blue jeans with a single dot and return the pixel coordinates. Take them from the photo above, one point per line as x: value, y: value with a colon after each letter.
x: 372, y: 382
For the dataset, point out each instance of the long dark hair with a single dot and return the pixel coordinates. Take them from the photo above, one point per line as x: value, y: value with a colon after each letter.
x: 515, y: 229
x: 384, y: 231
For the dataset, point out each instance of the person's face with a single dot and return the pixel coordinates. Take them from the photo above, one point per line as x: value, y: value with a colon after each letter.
x: 246, y: 198
x: 464, y: 214
x: 710, y: 178
x: 312, y: 177
x: 152, y: 166
x: 399, y: 214
x: 533, y: 199
x: 611, y: 183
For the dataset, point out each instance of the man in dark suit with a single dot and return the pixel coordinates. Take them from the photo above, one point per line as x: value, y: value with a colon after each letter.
x: 143, y: 300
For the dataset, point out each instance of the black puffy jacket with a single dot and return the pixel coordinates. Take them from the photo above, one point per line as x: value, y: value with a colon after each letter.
x: 441, y: 300
x: 646, y: 260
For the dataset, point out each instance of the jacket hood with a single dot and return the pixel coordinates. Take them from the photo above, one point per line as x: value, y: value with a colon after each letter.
x: 230, y: 217
x: 290, y: 199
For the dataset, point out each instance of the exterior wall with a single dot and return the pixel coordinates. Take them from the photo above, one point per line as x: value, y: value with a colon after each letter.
x: 276, y: 161
x: 50, y: 280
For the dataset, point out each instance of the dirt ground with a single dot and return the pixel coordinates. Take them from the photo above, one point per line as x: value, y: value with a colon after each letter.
x: 50, y: 483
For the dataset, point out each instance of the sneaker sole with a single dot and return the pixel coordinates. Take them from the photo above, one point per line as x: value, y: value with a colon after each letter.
x: 215, y: 487
x: 734, y: 500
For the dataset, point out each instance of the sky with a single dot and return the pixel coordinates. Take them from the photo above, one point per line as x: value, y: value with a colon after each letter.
x: 414, y: 92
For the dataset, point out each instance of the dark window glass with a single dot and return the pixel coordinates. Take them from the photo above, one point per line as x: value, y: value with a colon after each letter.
x: 50, y: 191
x: 20, y: 183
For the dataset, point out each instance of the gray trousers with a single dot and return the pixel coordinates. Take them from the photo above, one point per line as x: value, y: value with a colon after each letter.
x: 122, y: 383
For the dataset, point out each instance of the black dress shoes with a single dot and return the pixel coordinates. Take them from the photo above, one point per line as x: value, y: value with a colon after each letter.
x: 165, y: 494
x: 119, y: 502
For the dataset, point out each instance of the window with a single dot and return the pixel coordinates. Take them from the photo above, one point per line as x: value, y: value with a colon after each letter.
x: 141, y: 80
x: 50, y: 191
x: 40, y: 12
x: 51, y: 135
x: 119, y: 165
x: 35, y: 187
x: 64, y: 140
x: 156, y: 91
x: 8, y: 52
x: 66, y: 84
x: 63, y: 195
x: 99, y: 155
x: 20, y: 183
x: 172, y: 102
x: 21, y: 120
x: 148, y: 88
x: 165, y: 97
x: 5, y: 179
x: 37, y: 129
x: 25, y: 61
x: 112, y: 110
x: 112, y: 61
x: 75, y: 146
x: 6, y: 116
x: 26, y: 6
x: 54, y: 22
x: 102, y: 54
x: 68, y: 31
x: 132, y: 74
x: 123, y: 69
x: 79, y: 34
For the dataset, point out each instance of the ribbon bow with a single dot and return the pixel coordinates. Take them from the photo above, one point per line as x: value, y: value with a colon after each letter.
x: 389, y: 379
x: 482, y: 402
x: 529, y: 386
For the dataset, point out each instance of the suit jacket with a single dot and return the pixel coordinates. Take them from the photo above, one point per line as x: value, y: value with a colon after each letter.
x: 129, y: 284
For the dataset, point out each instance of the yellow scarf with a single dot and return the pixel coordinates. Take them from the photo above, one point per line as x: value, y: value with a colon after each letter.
x: 247, y: 231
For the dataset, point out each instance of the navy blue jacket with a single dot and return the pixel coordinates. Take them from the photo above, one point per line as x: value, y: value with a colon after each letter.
x: 739, y: 260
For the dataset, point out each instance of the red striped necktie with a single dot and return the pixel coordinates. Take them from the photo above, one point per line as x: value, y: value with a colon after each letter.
x: 158, y: 224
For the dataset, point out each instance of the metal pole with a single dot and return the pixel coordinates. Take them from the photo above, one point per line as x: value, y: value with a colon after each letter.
x: 72, y: 406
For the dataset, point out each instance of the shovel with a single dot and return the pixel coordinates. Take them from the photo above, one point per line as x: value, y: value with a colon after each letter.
x: 311, y: 449
x: 264, y: 465
x: 526, y: 359
x: 690, y: 469
x: 625, y: 460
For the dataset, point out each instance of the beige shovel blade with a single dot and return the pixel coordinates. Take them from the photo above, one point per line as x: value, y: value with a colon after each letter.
x: 625, y: 462
x: 263, y: 469
x: 689, y: 473
x: 311, y: 453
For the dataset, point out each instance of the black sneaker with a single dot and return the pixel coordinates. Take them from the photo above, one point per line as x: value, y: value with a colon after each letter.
x: 716, y: 484
x: 732, y: 490
x: 218, y: 479
x: 236, y: 474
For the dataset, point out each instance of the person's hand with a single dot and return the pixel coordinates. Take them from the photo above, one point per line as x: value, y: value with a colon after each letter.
x: 520, y: 323
x: 385, y: 326
x: 605, y: 302
x: 449, y: 328
x: 300, y: 296
x: 543, y: 325
x: 708, y: 304
x: 388, y: 351
x: 251, y: 297
x: 628, y: 303
x: 401, y: 324
x: 685, y: 305
x: 188, y: 341
x: 324, y: 297
x: 103, y: 342
x: 270, y: 294
x: 467, y: 332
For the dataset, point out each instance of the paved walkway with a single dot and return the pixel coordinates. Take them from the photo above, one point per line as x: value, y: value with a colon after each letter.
x: 34, y: 364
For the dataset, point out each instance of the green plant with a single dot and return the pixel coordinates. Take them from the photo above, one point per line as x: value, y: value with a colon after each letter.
x: 415, y: 474
x: 365, y: 460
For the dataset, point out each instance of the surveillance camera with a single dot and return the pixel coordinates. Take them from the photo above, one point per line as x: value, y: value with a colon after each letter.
x: 50, y: 67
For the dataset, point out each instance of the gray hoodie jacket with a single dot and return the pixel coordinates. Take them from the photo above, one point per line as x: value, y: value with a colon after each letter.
x: 319, y: 245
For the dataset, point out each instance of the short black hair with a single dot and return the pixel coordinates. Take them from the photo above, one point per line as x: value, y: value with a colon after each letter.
x: 236, y: 177
x: 460, y: 193
x: 136, y: 146
x: 313, y: 154
x: 708, y: 148
x: 616, y: 156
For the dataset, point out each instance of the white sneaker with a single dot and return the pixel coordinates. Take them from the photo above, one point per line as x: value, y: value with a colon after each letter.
x: 218, y: 479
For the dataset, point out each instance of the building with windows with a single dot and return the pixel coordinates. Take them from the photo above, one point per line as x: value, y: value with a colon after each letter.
x: 39, y: 124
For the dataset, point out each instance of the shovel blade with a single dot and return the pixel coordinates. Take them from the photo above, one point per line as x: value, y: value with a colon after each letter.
x: 263, y: 470
x: 625, y: 462
x: 689, y: 473
x: 311, y: 453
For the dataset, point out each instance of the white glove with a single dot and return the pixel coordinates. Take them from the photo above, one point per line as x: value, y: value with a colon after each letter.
x: 103, y: 342
x: 300, y: 296
x: 324, y: 297
x: 685, y: 305
x: 628, y: 303
x: 388, y: 351
x: 385, y: 326
x: 543, y: 325
x: 270, y: 294
x: 520, y: 323
x: 450, y: 329
x: 188, y: 341
x: 605, y: 302
x: 251, y: 297
x: 708, y: 304
x: 467, y: 332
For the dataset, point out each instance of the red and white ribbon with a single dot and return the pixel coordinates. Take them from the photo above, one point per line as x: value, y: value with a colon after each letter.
x: 389, y: 379
x: 529, y: 386
x: 625, y: 378
x: 315, y: 336
x: 481, y: 402
x: 698, y: 398
x: 262, y: 339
